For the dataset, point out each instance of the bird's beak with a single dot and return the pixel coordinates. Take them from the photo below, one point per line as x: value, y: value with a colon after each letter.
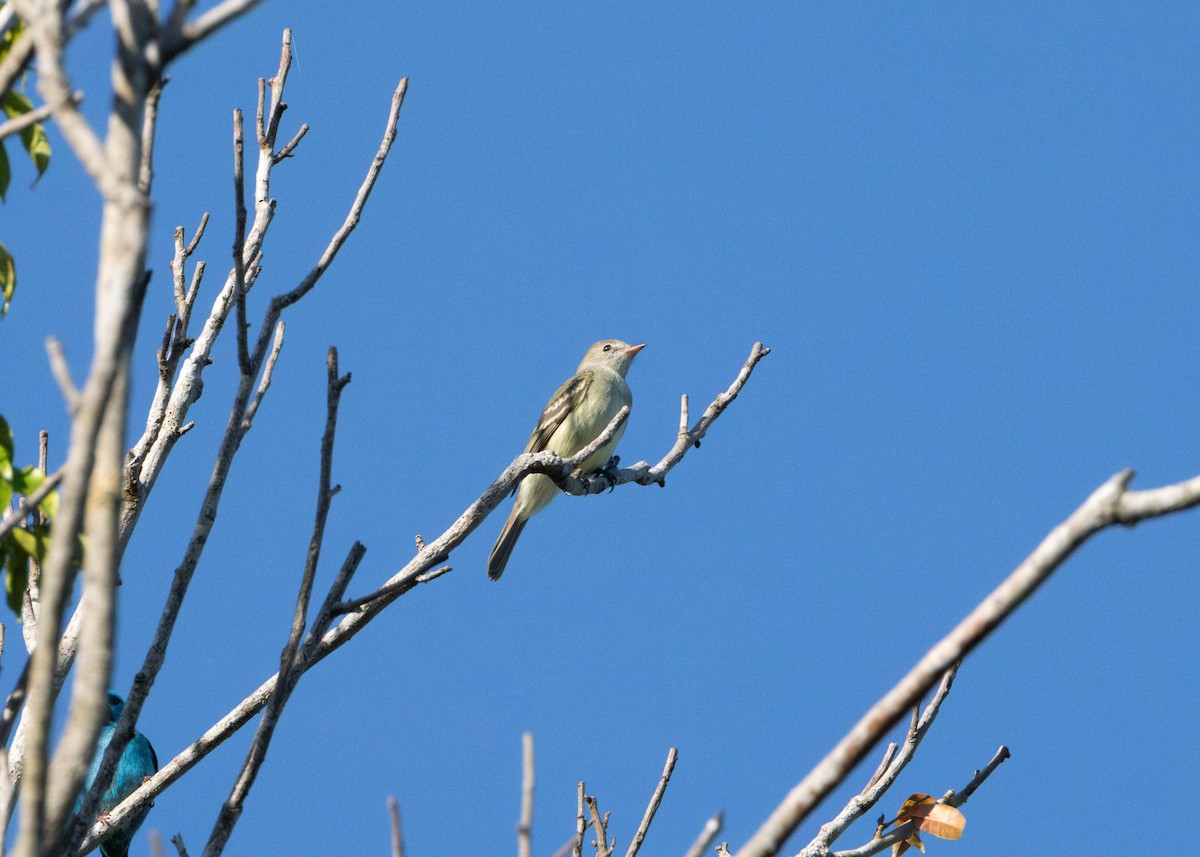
x: 634, y: 349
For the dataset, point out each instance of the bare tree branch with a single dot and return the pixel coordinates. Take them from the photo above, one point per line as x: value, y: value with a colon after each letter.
x: 655, y: 800
x: 704, y: 841
x: 580, y: 825
x: 149, y: 134
x: 185, y: 36
x: 62, y: 373
x: 360, y: 200
x: 239, y: 243
x: 525, y: 826
x: 175, y: 342
x: 187, y: 390
x: 47, y: 28
x: 232, y: 808
x: 94, y: 460
x: 885, y: 775
x: 8, y: 785
x: 168, y: 419
x: 882, y: 842
x: 177, y: 841
x: 264, y: 382
x: 31, y: 599
x: 599, y: 827
x: 1111, y: 503
x: 397, y: 834
x: 14, y: 63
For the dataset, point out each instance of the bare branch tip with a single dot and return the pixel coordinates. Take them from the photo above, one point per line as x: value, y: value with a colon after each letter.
x: 62, y: 372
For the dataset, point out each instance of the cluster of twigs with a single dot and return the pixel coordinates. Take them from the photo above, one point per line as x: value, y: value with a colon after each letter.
x: 895, y: 759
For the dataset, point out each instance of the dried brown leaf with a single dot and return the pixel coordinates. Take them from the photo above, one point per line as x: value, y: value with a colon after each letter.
x: 936, y: 819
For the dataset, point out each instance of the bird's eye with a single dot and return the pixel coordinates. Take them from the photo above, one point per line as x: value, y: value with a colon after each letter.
x: 608, y: 348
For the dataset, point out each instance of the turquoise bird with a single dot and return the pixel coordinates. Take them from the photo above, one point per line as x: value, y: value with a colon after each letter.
x: 137, y: 762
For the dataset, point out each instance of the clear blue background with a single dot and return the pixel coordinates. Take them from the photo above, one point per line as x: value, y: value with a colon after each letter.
x: 968, y: 233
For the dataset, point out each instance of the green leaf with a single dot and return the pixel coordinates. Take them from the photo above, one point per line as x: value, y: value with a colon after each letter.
x: 29, y: 479
x: 37, y: 144
x: 49, y: 506
x: 10, y: 36
x: 34, y: 137
x: 6, y: 455
x: 35, y: 542
x: 15, y: 104
x: 5, y: 173
x: 8, y: 275
x: 16, y: 577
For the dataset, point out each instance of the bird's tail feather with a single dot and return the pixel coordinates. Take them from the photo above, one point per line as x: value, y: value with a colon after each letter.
x: 504, y: 545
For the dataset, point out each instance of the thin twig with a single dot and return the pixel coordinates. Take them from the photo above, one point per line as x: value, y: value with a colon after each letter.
x: 264, y: 382
x: 188, y: 35
x: 655, y: 800
x: 599, y: 827
x: 187, y: 388
x: 360, y: 200
x: 580, y: 825
x: 175, y: 342
x: 239, y: 245
x: 397, y: 834
x: 8, y: 777
x: 884, y: 764
x: 965, y: 793
x: 62, y: 373
x: 286, y: 151
x: 886, y: 775
x: 177, y: 841
x: 712, y: 827
x: 525, y: 826
x: 232, y: 808
x: 149, y: 135
x: 31, y: 600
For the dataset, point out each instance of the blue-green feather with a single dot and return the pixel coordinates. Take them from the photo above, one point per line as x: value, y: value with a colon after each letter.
x: 136, y: 763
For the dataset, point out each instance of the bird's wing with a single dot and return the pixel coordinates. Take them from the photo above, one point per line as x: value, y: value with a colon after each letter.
x: 560, y: 405
x: 153, y: 755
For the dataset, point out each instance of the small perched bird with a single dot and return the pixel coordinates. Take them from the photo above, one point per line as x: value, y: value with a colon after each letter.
x: 575, y: 416
x: 137, y: 762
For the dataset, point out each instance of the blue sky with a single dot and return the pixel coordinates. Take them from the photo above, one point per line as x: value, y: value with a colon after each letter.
x: 967, y: 233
